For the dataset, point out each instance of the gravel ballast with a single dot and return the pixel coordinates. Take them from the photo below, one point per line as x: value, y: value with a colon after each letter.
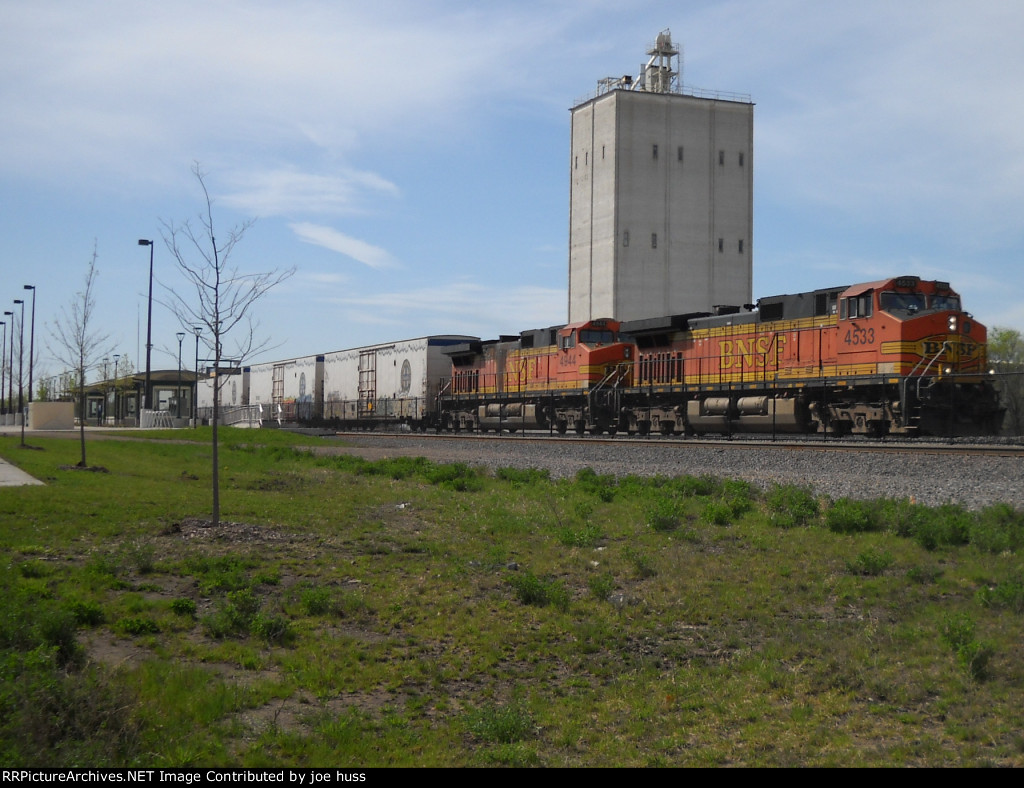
x: 835, y: 471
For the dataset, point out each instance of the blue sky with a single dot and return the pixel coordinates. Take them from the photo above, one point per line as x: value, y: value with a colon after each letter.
x: 410, y: 159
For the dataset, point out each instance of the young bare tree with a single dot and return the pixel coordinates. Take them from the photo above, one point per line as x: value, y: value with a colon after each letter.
x: 76, y: 343
x: 222, y: 298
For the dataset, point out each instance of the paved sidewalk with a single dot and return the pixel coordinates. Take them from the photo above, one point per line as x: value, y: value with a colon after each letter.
x: 11, y: 476
x: 14, y: 477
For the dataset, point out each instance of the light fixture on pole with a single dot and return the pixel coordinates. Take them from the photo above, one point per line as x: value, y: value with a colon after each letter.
x: 32, y: 340
x: 177, y: 394
x: 195, y: 383
x: 149, y: 324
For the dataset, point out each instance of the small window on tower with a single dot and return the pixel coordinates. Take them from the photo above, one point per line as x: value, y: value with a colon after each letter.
x: 654, y: 151
x: 602, y: 152
x: 625, y: 237
x: 741, y: 158
x: 679, y: 153
x: 721, y: 157
x: 721, y: 244
x: 586, y: 158
x: 741, y: 246
x: 654, y: 240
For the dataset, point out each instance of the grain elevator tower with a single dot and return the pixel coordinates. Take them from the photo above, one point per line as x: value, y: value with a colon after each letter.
x: 661, y: 196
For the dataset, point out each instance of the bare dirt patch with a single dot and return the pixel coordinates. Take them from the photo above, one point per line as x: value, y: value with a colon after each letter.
x: 195, y: 528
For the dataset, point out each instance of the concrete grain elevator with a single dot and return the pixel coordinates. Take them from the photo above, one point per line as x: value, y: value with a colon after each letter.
x: 661, y: 196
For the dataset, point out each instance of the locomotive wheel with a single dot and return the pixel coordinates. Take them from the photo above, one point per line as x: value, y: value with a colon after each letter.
x: 561, y: 426
x: 580, y: 427
x: 666, y: 427
x: 595, y: 430
x: 643, y: 427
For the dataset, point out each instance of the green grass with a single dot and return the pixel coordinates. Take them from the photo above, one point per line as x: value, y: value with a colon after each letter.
x: 403, y: 613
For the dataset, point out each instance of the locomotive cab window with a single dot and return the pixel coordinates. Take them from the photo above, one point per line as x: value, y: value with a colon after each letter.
x: 569, y: 340
x: 858, y: 306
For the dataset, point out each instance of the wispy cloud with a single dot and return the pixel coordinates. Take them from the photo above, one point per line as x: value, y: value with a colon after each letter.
x: 329, y: 238
x: 289, y: 191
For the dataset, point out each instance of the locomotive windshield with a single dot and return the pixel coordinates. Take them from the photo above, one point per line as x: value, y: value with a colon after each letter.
x: 916, y: 302
x: 945, y: 302
x: 590, y: 336
x: 903, y: 302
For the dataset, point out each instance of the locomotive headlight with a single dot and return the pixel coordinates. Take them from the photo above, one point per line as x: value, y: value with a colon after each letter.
x: 952, y: 323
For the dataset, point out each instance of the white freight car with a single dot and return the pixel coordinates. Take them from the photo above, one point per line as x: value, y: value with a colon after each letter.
x: 287, y: 390
x: 395, y: 382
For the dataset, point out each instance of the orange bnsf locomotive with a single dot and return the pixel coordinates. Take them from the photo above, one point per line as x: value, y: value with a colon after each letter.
x: 895, y: 356
x: 568, y: 377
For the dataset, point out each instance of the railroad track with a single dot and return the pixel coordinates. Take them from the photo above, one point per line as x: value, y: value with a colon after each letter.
x: 936, y: 447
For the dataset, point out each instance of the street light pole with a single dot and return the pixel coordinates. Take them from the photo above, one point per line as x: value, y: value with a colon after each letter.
x: 10, y: 367
x: 177, y: 394
x: 117, y: 357
x: 195, y: 382
x: 32, y: 340
x: 3, y: 368
x: 21, y: 368
x: 149, y: 323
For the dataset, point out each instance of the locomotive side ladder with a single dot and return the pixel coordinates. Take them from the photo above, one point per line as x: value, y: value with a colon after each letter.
x: 905, y: 414
x: 610, y: 387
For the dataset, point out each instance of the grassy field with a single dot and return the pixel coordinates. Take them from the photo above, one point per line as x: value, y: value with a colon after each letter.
x: 401, y: 613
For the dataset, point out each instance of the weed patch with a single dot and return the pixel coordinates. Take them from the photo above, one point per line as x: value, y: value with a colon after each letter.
x: 790, y: 506
x: 872, y: 561
x: 603, y: 486
x: 137, y: 625
x: 847, y: 516
x: 663, y: 513
x: 500, y: 724
x: 186, y: 608
x: 997, y: 529
x: 601, y: 586
x: 456, y: 476
x: 974, y: 656
x: 1007, y: 594
x: 532, y: 590
x: 523, y: 477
